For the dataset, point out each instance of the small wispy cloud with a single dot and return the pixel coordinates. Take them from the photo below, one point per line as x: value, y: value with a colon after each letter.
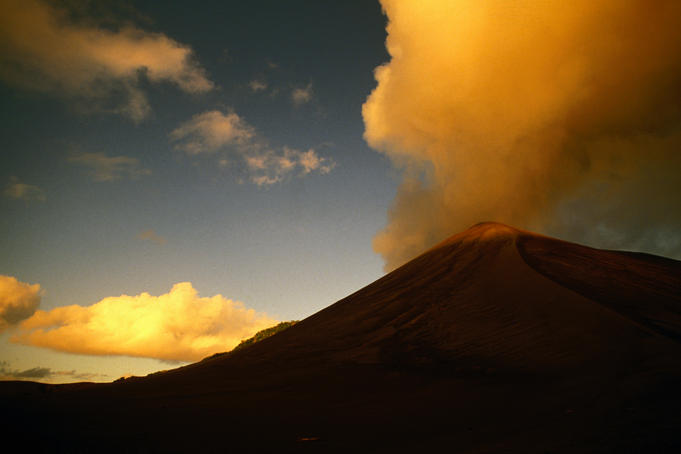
x: 302, y: 95
x: 270, y: 167
x: 257, y: 85
x: 217, y: 132
x: 17, y: 190
x: 209, y: 131
x: 109, y: 168
x: 151, y: 235
x: 310, y: 161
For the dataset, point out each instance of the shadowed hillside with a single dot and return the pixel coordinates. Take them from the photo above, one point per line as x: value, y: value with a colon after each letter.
x: 496, y: 340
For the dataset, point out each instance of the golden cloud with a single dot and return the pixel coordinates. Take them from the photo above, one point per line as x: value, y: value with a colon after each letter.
x: 178, y: 325
x: 41, y: 48
x: 557, y: 116
x: 18, y: 301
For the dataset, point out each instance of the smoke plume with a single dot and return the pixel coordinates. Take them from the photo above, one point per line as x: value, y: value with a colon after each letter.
x: 561, y: 117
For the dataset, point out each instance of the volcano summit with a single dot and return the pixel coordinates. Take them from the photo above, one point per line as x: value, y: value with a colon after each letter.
x: 495, y: 340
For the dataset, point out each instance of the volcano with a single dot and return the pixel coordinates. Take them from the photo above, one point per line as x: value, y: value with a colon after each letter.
x: 495, y: 340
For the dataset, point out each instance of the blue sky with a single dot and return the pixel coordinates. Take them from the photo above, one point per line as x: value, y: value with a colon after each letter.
x: 97, y: 228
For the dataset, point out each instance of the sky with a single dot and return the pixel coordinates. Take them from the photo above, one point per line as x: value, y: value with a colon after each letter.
x: 175, y: 177
x: 160, y: 148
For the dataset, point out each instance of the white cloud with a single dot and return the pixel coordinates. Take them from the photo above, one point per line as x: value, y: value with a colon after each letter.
x: 18, y: 301
x: 23, y: 191
x: 109, y: 168
x: 214, y: 131
x: 302, y: 95
x: 176, y: 326
x: 43, y: 49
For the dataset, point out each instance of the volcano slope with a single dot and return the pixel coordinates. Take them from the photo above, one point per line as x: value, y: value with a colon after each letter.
x: 496, y: 340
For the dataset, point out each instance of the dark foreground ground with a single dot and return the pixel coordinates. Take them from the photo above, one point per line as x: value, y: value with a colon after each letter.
x: 496, y: 340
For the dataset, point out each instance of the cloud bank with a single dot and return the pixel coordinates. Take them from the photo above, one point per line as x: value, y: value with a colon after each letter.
x: 176, y: 326
x: 217, y: 132
x: 558, y: 117
x: 18, y: 301
x: 45, y: 374
x: 41, y: 48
